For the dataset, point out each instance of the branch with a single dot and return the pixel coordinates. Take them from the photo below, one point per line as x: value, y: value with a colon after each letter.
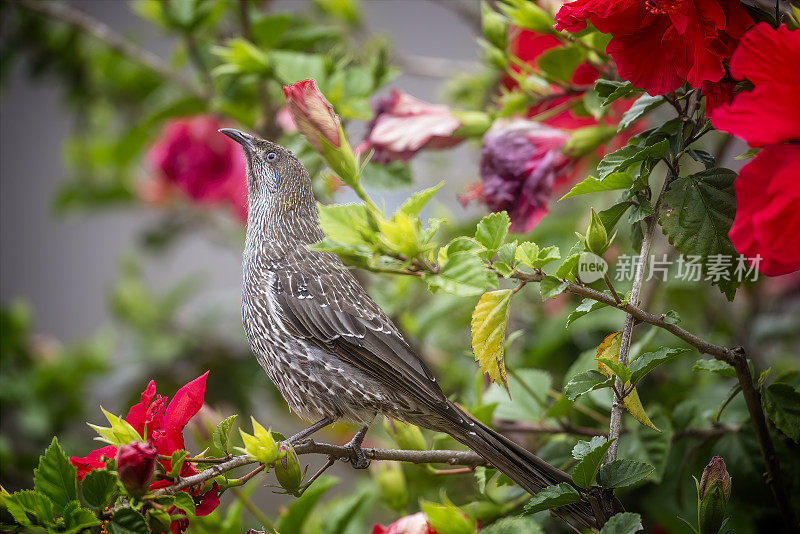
x: 116, y: 42
x: 465, y: 458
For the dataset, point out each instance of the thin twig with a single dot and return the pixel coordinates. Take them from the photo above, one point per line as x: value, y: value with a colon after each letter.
x: 99, y: 30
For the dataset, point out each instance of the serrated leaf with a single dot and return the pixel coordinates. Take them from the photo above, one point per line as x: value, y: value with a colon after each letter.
x: 552, y: 497
x: 782, y: 406
x: 119, y: 433
x: 582, y: 448
x: 715, y: 366
x: 185, y: 502
x: 127, y: 521
x: 625, y: 157
x: 526, y: 253
x: 462, y: 274
x: 587, y: 467
x: 567, y: 268
x: 612, y: 215
x: 414, y: 204
x: 29, y: 508
x: 221, y: 435
x: 488, y: 333
x: 617, y: 368
x: 550, y: 287
x: 586, y: 382
x: 177, y: 461
x: 585, y: 307
x: 609, y: 182
x: 696, y: 215
x: 98, y: 488
x: 77, y: 519
x: 349, y: 224
x: 55, y: 477
x: 622, y: 473
x: 650, y: 360
x: 611, y: 90
x: 622, y: 523
x: 492, y: 230
x: 644, y: 104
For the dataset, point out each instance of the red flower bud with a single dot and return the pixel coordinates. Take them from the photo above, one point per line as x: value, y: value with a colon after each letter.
x: 312, y: 113
x: 715, y: 473
x: 136, y: 463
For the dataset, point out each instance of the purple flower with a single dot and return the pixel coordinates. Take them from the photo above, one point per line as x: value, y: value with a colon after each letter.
x: 521, y: 160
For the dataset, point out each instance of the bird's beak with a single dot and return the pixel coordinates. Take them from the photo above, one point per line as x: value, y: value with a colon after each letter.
x: 246, y: 140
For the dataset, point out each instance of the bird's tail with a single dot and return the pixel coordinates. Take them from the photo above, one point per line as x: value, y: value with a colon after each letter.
x: 526, y: 469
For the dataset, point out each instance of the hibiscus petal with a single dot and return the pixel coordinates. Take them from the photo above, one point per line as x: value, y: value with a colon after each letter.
x: 184, y: 405
x: 136, y: 415
x: 93, y: 460
x: 208, y: 501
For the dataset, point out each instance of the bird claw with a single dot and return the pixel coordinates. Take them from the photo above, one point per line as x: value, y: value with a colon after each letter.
x: 360, y: 461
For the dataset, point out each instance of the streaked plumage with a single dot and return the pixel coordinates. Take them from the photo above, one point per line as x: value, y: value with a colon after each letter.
x: 327, y: 346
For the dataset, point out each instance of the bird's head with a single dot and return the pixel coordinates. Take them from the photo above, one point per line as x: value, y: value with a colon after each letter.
x: 277, y: 183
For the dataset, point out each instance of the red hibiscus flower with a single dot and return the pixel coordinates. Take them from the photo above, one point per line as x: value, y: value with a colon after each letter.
x: 410, y: 524
x: 191, y: 157
x: 767, y: 222
x: 161, y: 424
x: 403, y: 125
x: 659, y: 44
x: 521, y: 162
x: 770, y: 113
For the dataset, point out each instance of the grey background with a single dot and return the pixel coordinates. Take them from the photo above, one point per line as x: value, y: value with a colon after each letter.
x: 64, y: 265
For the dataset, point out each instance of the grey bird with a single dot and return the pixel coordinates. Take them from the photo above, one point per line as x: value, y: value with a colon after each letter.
x: 330, y: 349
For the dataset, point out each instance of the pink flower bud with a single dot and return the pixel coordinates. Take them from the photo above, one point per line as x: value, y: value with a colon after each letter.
x: 136, y: 463
x: 312, y: 113
x: 410, y: 524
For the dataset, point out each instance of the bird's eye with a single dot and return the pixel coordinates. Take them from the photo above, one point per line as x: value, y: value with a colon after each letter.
x: 272, y: 156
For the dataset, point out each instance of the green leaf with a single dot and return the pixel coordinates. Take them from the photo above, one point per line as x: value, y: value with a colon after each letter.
x: 560, y: 62
x: 782, y: 405
x: 513, y: 525
x: 177, y: 461
x: 529, y: 254
x: 611, y: 90
x: 30, y: 508
x: 650, y: 360
x: 623, y: 473
x: 585, y: 382
x: 462, y: 274
x: 612, y: 215
x: 552, y: 497
x: 622, y: 523
x: 98, y: 488
x: 492, y: 231
x: 127, y: 521
x: 620, y: 160
x: 567, y: 268
x: 620, y: 370
x: 418, y: 200
x: 185, y: 502
x: 77, y: 519
x: 609, y: 182
x: 715, y: 366
x: 550, y: 287
x: 582, y: 448
x: 644, y: 104
x: 291, y: 67
x: 350, y: 224
x: 586, y: 306
x: 298, y: 511
x: 446, y: 518
x: 119, y: 433
x: 221, y: 435
x: 55, y: 477
x: 488, y: 333
x: 696, y: 215
x: 587, y: 468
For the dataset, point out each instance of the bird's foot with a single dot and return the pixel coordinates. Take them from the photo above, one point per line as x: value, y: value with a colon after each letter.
x: 360, y: 461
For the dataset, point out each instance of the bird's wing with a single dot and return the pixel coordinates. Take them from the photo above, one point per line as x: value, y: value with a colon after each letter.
x: 323, y: 303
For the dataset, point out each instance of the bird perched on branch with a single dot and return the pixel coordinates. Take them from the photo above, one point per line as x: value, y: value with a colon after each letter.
x: 329, y: 348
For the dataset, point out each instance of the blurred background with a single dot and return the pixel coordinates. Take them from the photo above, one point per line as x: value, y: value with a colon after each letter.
x: 108, y: 278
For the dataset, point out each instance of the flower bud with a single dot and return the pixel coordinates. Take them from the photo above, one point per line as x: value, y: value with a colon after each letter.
x: 530, y: 16
x: 473, y: 123
x: 587, y: 139
x: 136, y: 463
x: 495, y: 57
x: 312, y: 113
x: 494, y: 26
x: 407, y: 437
x: 392, y: 484
x: 260, y: 445
x: 287, y: 469
x: 713, y: 493
x: 596, y: 235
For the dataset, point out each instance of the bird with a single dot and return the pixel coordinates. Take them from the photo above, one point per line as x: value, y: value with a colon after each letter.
x: 331, y: 351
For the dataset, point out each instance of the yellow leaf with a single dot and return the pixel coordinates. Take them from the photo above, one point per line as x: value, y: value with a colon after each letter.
x: 488, y: 333
x: 609, y: 348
